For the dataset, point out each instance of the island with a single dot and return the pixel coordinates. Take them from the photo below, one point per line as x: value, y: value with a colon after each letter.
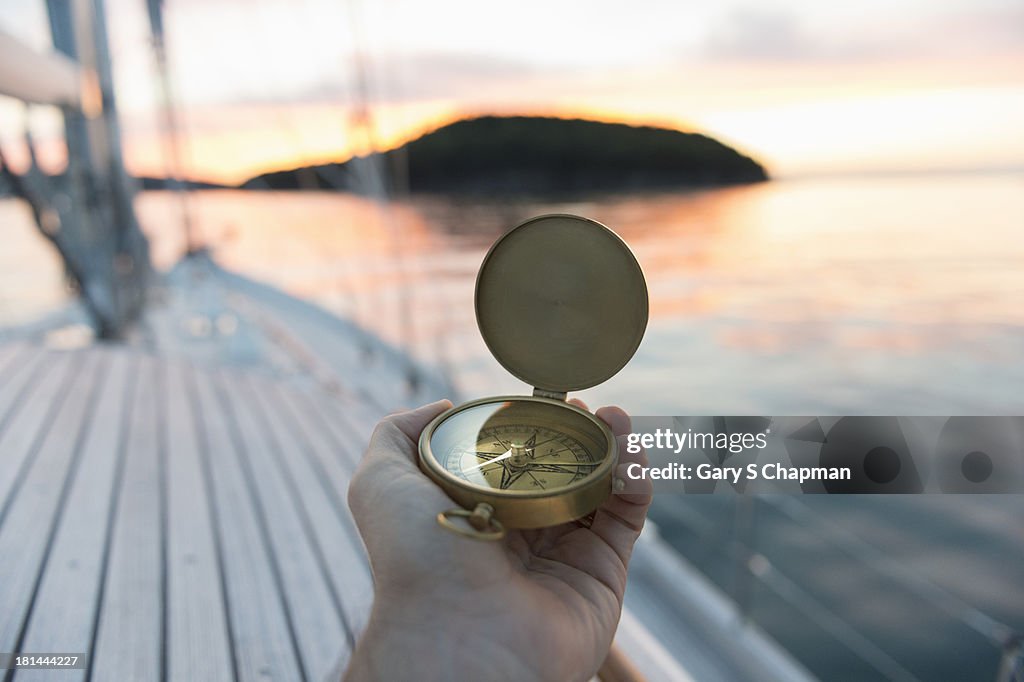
x: 532, y: 154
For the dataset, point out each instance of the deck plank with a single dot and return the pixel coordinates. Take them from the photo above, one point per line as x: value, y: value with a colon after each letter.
x: 18, y: 381
x: 8, y: 351
x: 319, y: 631
x: 263, y: 640
x: 25, y: 535
x: 63, y: 614
x: 349, y: 425
x: 198, y: 646
x: 174, y: 522
x: 332, y: 349
x: 129, y: 638
x: 334, y: 471
x: 323, y: 504
x: 30, y: 414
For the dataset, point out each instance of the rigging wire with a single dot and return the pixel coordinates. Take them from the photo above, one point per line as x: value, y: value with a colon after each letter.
x: 369, y: 178
x: 172, y: 125
x: 441, y: 310
x: 335, y: 179
x: 372, y: 166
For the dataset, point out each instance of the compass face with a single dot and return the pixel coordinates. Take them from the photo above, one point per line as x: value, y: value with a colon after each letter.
x: 520, y: 447
x: 521, y: 457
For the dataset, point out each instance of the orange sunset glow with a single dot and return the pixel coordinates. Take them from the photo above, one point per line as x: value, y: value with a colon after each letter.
x: 803, y: 88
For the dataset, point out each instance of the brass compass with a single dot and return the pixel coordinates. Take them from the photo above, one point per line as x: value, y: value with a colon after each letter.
x: 562, y: 304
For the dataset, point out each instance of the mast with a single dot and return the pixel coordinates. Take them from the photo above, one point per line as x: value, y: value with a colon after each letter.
x: 109, y: 166
x: 88, y: 214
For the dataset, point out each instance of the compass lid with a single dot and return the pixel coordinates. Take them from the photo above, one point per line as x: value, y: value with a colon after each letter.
x: 561, y: 302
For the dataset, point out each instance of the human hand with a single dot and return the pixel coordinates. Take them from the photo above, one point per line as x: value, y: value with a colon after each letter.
x: 538, y: 605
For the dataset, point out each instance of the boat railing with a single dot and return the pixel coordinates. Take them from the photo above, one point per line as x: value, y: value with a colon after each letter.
x: 751, y: 568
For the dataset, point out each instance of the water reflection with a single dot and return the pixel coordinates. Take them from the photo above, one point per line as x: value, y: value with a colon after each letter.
x: 898, y: 295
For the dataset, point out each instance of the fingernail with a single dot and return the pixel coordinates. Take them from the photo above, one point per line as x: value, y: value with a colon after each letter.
x: 618, y: 485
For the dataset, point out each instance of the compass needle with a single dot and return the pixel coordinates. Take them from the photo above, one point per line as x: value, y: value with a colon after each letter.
x: 495, y: 460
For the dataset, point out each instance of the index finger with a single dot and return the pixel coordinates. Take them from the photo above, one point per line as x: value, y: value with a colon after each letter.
x: 616, y: 418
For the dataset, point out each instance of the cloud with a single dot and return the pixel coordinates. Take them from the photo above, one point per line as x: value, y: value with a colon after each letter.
x: 389, y: 79
x: 757, y: 34
x: 778, y: 36
x: 437, y: 75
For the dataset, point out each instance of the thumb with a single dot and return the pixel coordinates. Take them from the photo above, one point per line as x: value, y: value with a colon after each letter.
x: 391, y: 452
x: 412, y: 422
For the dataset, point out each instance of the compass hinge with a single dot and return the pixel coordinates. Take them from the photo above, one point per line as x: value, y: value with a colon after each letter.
x: 554, y: 395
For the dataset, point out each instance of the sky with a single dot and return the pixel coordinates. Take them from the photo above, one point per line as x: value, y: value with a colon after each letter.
x: 806, y: 87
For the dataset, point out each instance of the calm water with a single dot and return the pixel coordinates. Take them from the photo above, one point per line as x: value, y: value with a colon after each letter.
x: 845, y: 296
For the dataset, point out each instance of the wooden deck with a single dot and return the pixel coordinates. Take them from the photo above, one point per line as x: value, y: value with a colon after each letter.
x: 175, y: 521
x: 172, y: 522
x: 175, y: 508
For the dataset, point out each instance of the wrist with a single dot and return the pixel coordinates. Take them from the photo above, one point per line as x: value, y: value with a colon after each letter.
x: 384, y: 650
x: 397, y: 640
